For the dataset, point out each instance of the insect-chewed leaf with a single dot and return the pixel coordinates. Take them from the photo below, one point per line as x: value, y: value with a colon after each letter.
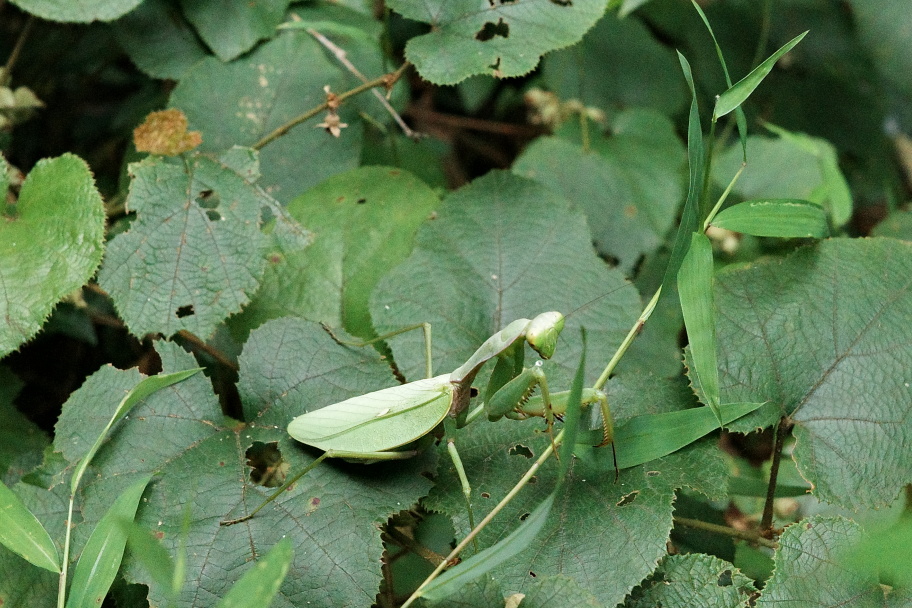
x: 378, y: 421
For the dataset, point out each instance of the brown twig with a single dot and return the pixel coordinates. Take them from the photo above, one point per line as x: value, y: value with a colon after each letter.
x: 213, y: 352
x: 766, y: 523
x: 476, y: 124
x: 14, y: 55
x: 420, y: 550
x: 342, y: 56
x: 197, y: 342
x: 386, y: 81
x: 751, y: 537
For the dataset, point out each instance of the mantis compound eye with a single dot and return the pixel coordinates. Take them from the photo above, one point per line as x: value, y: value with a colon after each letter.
x: 542, y: 333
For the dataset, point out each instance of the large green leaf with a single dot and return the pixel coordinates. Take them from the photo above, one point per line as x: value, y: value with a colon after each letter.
x: 499, y: 38
x: 500, y: 249
x: 232, y: 27
x: 606, y: 69
x: 332, y: 515
x: 813, y: 568
x: 78, y: 12
x: 159, y: 40
x: 364, y: 223
x: 262, y: 91
x: 51, y: 242
x: 824, y: 336
x: 629, y: 188
x: 683, y: 581
x: 606, y: 518
x: 195, y: 253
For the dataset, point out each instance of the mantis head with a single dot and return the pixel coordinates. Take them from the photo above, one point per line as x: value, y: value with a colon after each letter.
x: 542, y: 333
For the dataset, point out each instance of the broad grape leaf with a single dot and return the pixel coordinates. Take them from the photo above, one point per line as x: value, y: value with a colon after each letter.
x: 503, y: 39
x: 51, y: 242
x: 683, y: 581
x: 606, y: 69
x: 259, y: 93
x: 77, y: 11
x: 823, y: 335
x: 232, y: 27
x: 195, y: 253
x: 159, y: 40
x: 364, y: 223
x: 332, y: 515
x: 500, y: 249
x: 813, y: 567
x: 629, y: 187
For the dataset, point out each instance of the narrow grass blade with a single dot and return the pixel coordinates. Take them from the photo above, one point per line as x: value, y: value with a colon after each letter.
x: 740, y: 119
x: 139, y: 392
x: 695, y: 281
x: 258, y: 586
x: 103, y: 552
x: 645, y: 438
x: 451, y: 581
x: 696, y: 154
x: 23, y: 534
x: 787, y: 218
x: 741, y: 90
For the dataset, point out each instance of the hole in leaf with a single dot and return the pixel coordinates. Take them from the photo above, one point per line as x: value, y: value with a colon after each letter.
x: 562, y: 2
x: 473, y: 392
x: 652, y: 473
x: 213, y: 215
x: 520, y: 450
x: 524, y: 516
x: 627, y: 499
x: 208, y: 199
x: 490, y: 30
x: 725, y: 579
x: 533, y: 479
x: 362, y: 200
x: 269, y: 469
x: 485, y: 495
x: 184, y: 311
x: 532, y: 574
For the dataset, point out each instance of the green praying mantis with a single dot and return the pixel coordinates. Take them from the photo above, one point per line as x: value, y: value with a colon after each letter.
x: 398, y: 422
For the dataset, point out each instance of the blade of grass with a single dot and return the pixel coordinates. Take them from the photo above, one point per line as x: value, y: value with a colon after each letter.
x: 785, y: 218
x: 741, y: 90
x: 23, y: 534
x: 695, y: 281
x: 103, y: 552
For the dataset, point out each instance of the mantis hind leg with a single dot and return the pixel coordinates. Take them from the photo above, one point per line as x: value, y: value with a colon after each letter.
x: 369, y: 456
x: 449, y: 426
x: 608, y: 430
x: 425, y: 327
